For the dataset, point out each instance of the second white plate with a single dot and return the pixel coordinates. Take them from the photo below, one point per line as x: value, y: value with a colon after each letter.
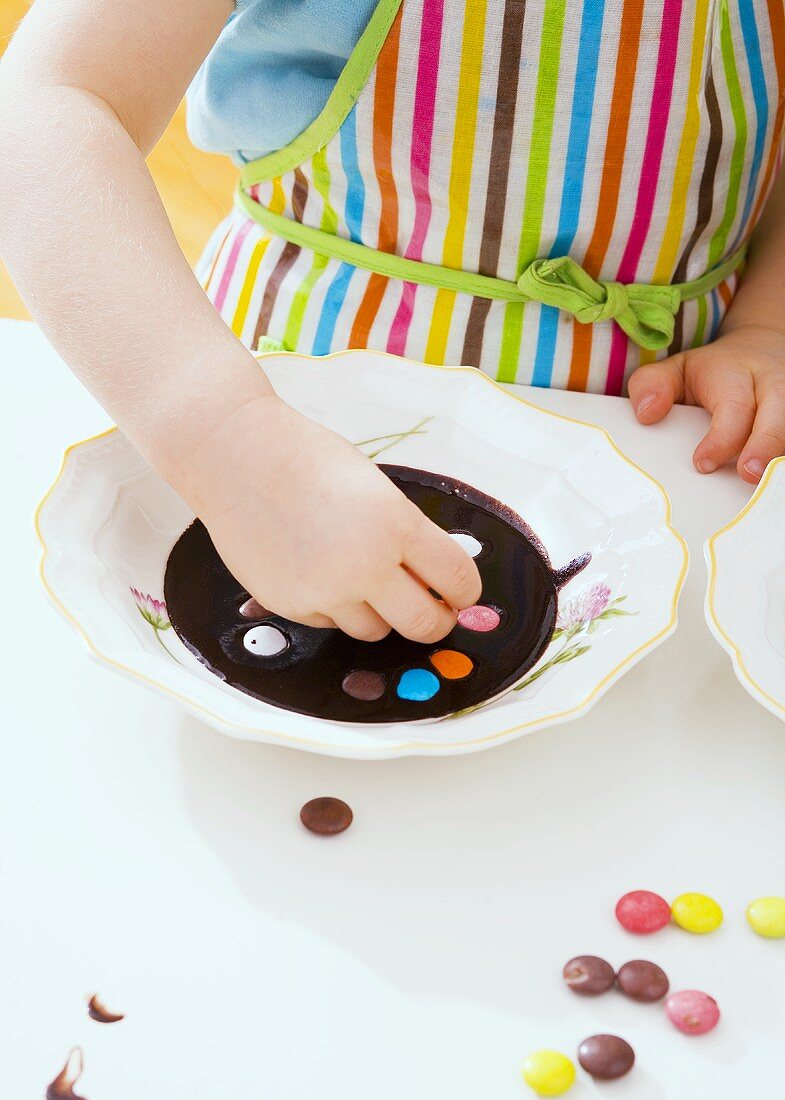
x: 745, y: 598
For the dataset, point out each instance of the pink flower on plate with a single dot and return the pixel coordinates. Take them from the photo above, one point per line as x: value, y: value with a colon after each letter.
x: 585, y: 607
x: 152, y: 611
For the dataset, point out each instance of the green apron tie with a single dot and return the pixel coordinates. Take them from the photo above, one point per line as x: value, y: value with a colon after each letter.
x: 646, y: 313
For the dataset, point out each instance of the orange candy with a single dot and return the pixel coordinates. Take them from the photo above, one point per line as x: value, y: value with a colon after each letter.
x: 451, y: 664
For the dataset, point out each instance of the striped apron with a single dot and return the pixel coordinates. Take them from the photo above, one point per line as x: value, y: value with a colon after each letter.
x: 554, y: 191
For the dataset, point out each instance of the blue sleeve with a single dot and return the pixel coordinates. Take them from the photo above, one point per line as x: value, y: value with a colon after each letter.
x: 271, y: 72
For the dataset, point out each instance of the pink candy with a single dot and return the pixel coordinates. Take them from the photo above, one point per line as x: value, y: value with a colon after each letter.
x: 692, y: 1012
x: 642, y: 912
x: 479, y: 618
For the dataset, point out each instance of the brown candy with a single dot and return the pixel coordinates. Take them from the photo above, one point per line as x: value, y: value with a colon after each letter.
x: 606, y: 1056
x: 252, y: 609
x: 589, y: 975
x: 365, y: 686
x: 326, y: 816
x: 643, y: 981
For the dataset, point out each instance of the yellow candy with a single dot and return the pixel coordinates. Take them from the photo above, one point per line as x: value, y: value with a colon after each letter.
x: 696, y: 913
x: 767, y: 917
x: 548, y: 1072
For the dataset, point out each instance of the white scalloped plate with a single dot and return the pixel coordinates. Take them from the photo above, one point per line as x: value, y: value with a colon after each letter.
x: 109, y: 521
x: 745, y: 596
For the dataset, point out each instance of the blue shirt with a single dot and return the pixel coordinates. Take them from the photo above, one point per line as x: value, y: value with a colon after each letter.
x: 271, y: 72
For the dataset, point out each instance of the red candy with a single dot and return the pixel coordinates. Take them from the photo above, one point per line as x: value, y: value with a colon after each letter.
x: 642, y: 912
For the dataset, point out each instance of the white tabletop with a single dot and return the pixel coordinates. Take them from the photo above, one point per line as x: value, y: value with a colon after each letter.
x: 419, y: 955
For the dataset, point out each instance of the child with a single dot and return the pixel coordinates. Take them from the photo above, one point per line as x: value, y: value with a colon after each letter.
x: 559, y: 192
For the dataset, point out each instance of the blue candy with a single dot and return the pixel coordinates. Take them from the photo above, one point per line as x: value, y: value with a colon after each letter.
x: 418, y: 684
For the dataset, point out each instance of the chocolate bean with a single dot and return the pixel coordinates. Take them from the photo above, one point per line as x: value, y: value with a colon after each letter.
x: 365, y: 686
x: 589, y: 975
x: 252, y: 609
x: 643, y: 981
x: 606, y: 1056
x: 326, y: 816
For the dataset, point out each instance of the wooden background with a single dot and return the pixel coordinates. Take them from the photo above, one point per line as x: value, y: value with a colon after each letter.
x: 196, y: 187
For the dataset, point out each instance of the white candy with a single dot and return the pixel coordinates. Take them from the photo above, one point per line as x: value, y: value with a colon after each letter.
x: 469, y: 543
x: 265, y: 641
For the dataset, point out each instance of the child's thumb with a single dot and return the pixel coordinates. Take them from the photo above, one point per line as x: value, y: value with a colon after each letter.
x: 655, y: 388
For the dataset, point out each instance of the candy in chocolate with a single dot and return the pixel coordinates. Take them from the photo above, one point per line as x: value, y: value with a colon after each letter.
x: 643, y: 981
x: 327, y: 674
x: 365, y: 686
x: 589, y: 975
x: 606, y: 1056
x: 326, y: 816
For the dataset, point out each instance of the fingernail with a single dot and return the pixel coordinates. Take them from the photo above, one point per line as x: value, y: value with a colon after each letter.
x: 754, y: 468
x: 706, y: 466
x: 645, y: 403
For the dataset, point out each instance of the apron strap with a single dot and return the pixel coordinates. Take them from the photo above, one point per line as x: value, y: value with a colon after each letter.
x: 646, y: 312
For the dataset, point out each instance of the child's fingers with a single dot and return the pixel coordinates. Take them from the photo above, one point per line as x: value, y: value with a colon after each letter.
x: 408, y: 608
x: 361, y: 621
x: 767, y: 440
x: 321, y: 622
x: 655, y: 388
x: 442, y: 565
x: 732, y: 417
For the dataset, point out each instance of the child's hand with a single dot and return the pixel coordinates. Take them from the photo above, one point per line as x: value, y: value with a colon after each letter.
x: 740, y: 380
x: 318, y: 534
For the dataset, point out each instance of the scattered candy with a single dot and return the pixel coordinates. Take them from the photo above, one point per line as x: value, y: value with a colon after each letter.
x: 643, y: 981
x: 692, y: 1012
x: 606, y: 1056
x: 589, y: 975
x: 642, y: 912
x: 696, y: 913
x: 326, y: 816
x: 767, y: 917
x: 548, y: 1072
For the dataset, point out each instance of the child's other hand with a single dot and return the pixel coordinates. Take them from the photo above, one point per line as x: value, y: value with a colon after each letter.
x: 318, y: 534
x: 740, y: 380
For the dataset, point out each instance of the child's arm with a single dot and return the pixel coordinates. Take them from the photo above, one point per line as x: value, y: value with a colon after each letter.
x: 740, y: 378
x: 305, y: 522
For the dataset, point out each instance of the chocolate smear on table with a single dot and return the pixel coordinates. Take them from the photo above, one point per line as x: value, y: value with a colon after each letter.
x: 97, y: 1011
x: 62, y: 1088
x: 326, y: 673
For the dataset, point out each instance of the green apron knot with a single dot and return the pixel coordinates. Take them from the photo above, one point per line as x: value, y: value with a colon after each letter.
x: 646, y: 313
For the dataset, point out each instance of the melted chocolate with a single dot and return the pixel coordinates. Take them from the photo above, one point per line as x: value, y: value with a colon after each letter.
x: 204, y: 603
x: 96, y: 1011
x: 62, y: 1088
